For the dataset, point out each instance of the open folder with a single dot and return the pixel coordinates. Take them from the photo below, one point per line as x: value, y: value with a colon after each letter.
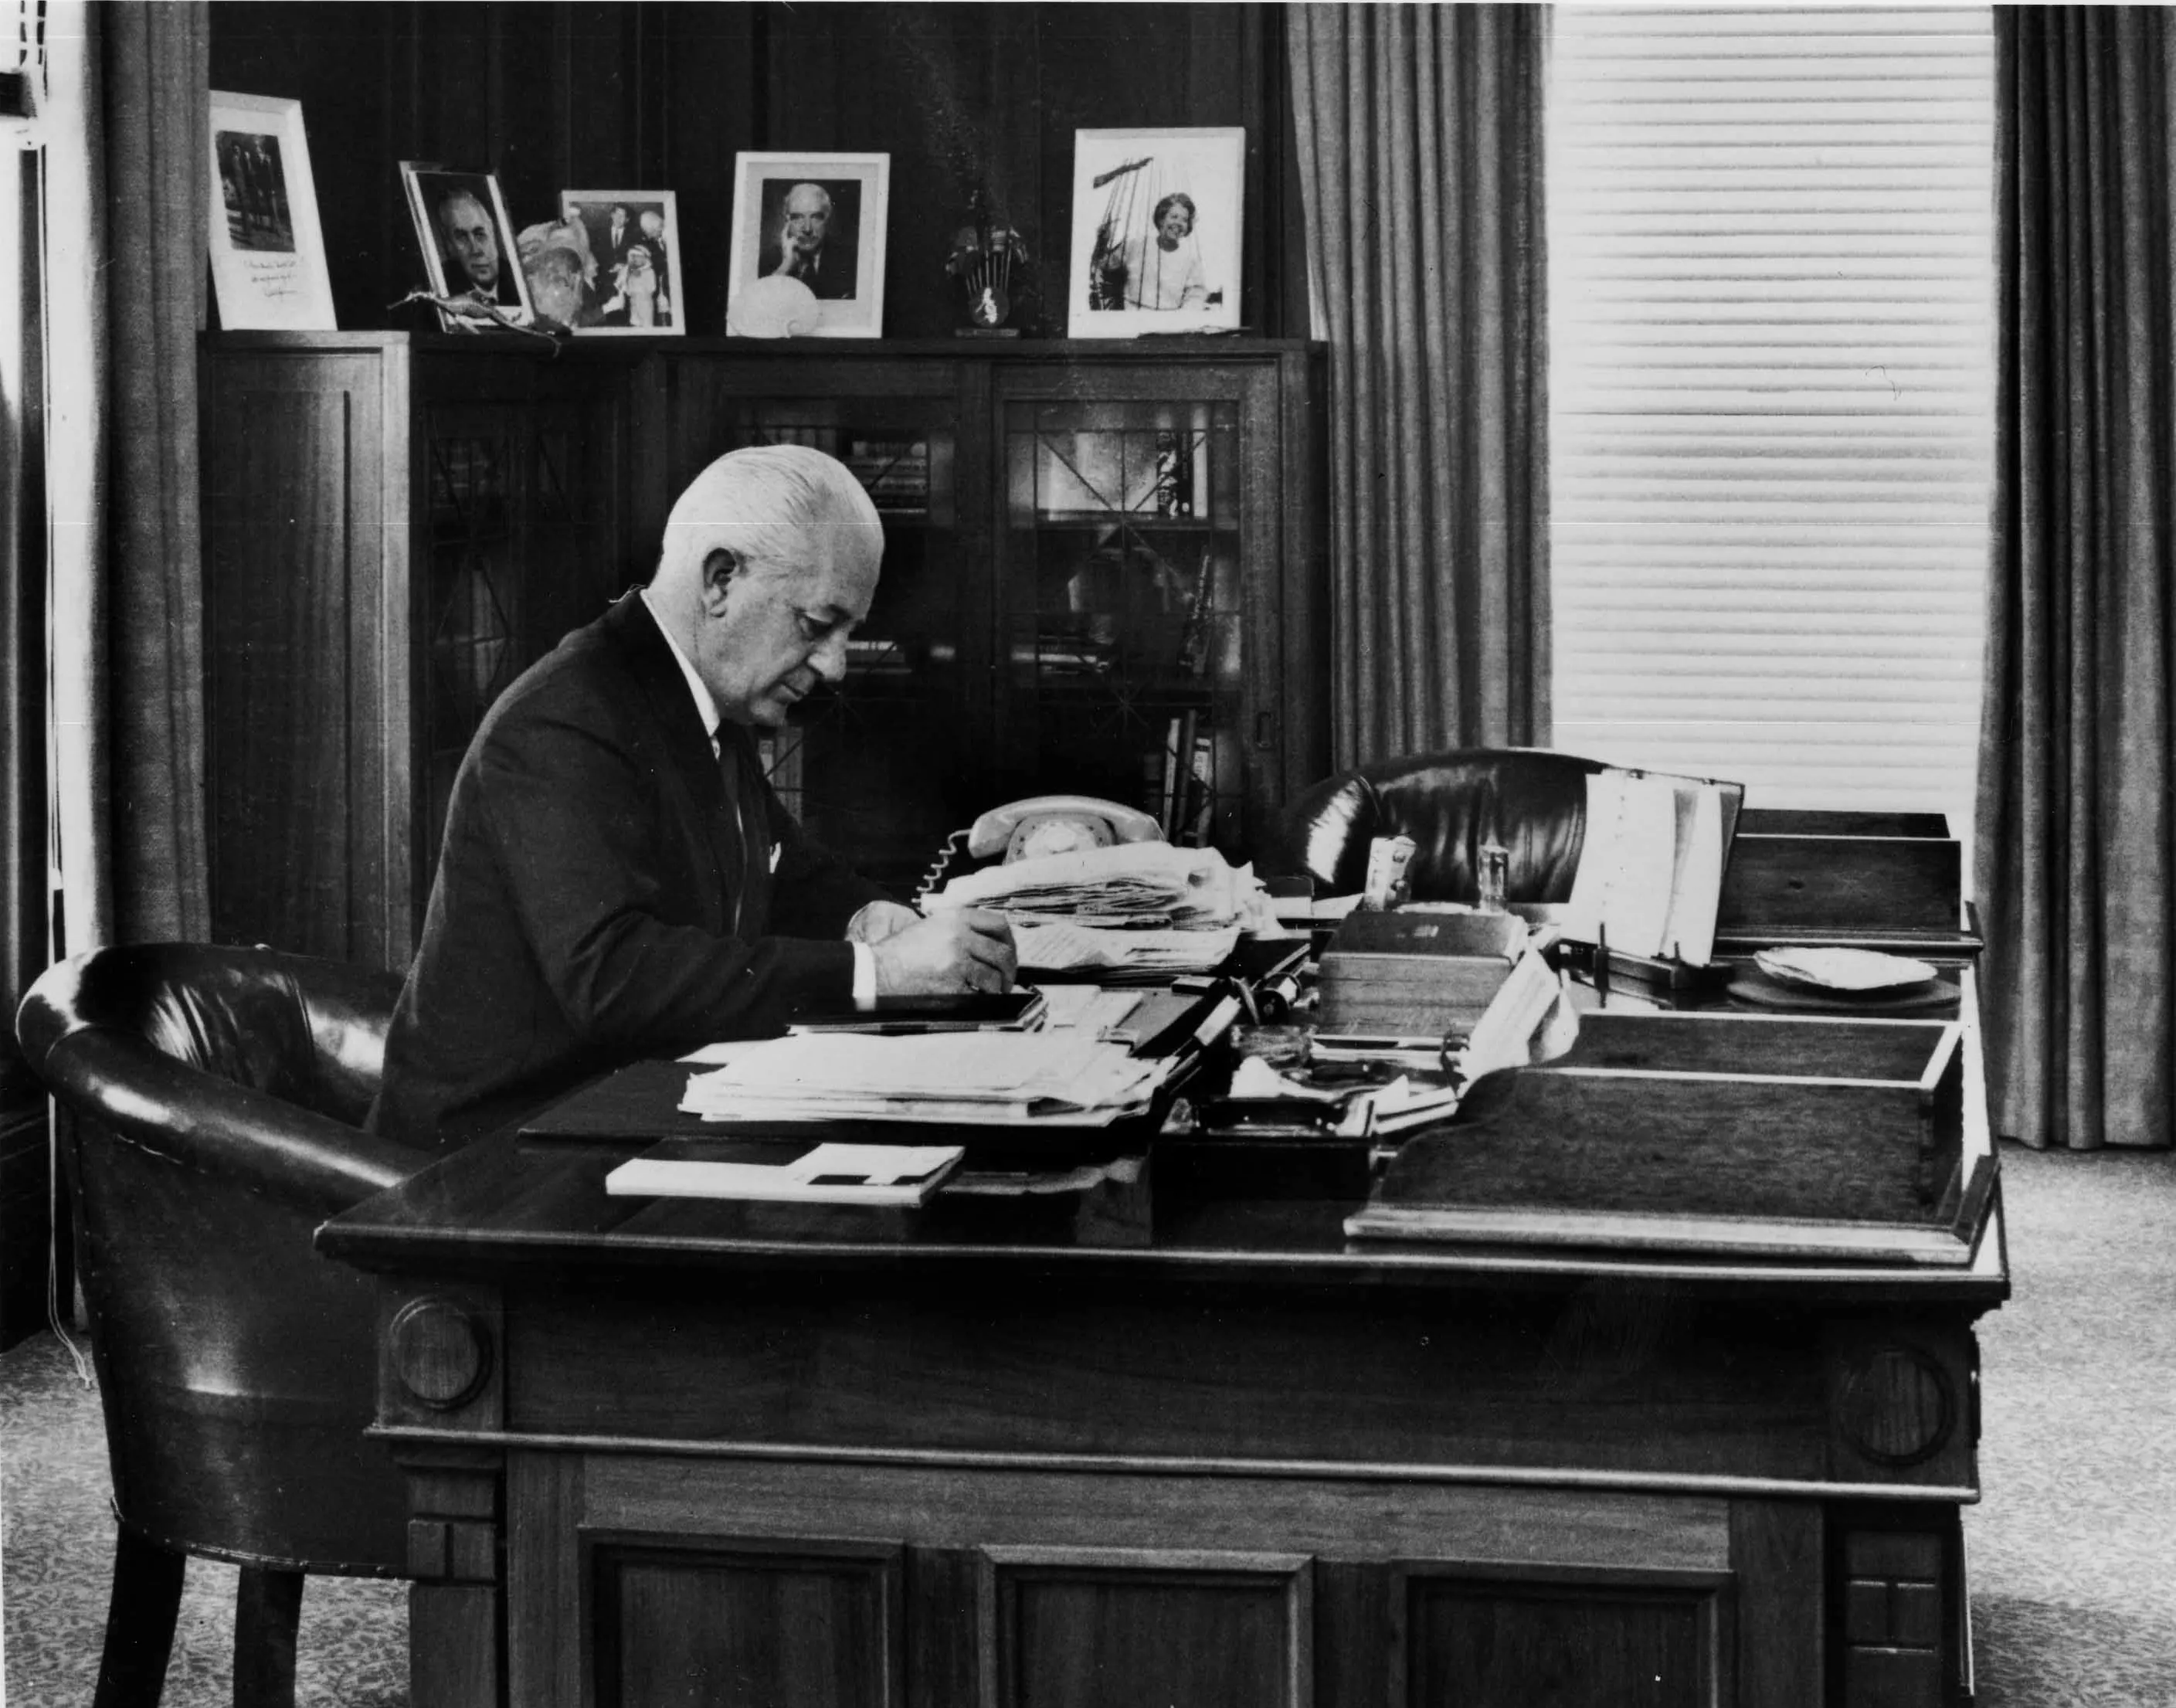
x: 879, y: 1175
x: 1649, y: 879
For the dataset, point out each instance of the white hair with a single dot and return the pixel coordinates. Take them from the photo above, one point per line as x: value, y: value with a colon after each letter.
x: 764, y: 504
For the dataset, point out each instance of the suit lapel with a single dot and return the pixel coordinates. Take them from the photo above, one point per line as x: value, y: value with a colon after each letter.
x: 650, y: 657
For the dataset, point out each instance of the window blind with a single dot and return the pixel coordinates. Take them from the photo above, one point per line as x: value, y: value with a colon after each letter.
x: 1771, y: 328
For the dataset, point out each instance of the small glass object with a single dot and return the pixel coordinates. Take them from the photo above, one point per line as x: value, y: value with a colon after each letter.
x: 1387, y: 885
x: 1495, y: 874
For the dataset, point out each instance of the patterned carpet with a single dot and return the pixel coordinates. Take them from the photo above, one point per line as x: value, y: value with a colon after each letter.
x: 2070, y: 1550
x: 57, y: 1549
x: 2074, y: 1599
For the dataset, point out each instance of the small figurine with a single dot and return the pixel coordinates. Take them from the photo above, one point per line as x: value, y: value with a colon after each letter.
x: 982, y: 258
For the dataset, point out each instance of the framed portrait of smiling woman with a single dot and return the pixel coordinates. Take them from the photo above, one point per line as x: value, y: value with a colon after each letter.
x: 1156, y: 231
x: 467, y: 243
x: 809, y: 245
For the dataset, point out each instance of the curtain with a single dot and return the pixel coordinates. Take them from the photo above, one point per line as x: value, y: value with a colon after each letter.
x: 129, y: 211
x: 2074, y: 855
x: 1420, y: 155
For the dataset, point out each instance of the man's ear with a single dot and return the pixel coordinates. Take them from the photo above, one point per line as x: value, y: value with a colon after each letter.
x: 721, y: 565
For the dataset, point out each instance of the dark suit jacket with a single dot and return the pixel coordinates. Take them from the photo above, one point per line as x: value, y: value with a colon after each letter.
x: 584, y: 910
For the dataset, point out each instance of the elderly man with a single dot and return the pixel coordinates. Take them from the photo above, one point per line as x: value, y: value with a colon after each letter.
x: 809, y: 249
x: 472, y: 247
x: 619, y: 880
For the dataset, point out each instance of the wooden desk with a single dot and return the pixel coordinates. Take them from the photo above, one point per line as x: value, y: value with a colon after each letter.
x: 671, y: 1452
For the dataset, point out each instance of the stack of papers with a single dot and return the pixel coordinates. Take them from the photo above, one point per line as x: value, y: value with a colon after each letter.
x: 1136, y: 907
x: 1056, y: 945
x: 1070, y: 1077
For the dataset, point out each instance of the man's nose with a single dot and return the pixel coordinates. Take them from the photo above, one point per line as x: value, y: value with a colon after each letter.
x: 829, y: 660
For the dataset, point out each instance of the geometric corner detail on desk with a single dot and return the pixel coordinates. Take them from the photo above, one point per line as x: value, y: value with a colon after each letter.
x: 441, y: 1353
x: 1896, y: 1406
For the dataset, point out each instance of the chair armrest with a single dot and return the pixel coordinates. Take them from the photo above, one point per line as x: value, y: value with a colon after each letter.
x: 201, y: 1121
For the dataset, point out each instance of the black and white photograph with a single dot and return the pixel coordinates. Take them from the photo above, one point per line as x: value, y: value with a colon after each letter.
x: 632, y: 238
x: 1156, y: 230
x: 467, y: 244
x: 268, y: 254
x: 1148, y: 856
x: 808, y: 244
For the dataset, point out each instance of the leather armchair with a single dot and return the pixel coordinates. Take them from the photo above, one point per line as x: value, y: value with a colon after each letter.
x: 218, y: 1094
x: 1531, y: 801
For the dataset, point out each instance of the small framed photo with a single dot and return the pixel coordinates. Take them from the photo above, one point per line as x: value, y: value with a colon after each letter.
x: 467, y: 243
x: 1156, y: 231
x: 268, y: 254
x: 808, y: 245
x: 633, y: 243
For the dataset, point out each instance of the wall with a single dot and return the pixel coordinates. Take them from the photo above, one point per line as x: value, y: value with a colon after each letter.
x: 662, y: 96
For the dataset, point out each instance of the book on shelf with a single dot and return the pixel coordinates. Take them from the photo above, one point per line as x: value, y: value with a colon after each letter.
x: 1193, y: 632
x: 1650, y: 878
x: 895, y: 472
x: 1177, y: 760
x: 1199, y: 817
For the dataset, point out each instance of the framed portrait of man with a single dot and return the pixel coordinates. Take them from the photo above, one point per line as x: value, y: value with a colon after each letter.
x: 629, y: 245
x: 268, y: 252
x: 1156, y: 231
x: 467, y: 244
x: 808, y: 245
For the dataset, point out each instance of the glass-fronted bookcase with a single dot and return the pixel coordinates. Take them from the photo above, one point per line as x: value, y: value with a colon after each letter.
x: 1122, y: 594
x: 1103, y: 575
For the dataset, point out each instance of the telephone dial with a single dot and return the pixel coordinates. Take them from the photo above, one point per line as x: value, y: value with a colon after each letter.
x: 1042, y: 825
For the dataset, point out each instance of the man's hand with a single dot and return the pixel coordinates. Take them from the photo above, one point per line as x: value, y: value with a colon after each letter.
x: 880, y: 920
x: 968, y: 948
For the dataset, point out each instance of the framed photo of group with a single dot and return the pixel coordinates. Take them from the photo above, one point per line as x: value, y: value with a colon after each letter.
x: 808, y: 245
x: 1156, y: 231
x: 632, y: 240
x: 268, y: 254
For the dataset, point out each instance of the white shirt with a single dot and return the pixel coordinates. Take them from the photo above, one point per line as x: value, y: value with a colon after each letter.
x: 706, y: 708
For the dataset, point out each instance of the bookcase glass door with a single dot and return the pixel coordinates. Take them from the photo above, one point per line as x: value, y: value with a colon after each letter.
x: 520, y: 518
x: 1122, y: 616
x: 877, y: 767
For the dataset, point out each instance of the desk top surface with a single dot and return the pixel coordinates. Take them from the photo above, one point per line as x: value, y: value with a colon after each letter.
x: 517, y: 1206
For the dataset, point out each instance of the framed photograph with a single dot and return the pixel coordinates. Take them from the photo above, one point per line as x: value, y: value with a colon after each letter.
x: 632, y: 243
x: 268, y: 254
x: 467, y: 242
x: 808, y: 245
x: 1156, y: 231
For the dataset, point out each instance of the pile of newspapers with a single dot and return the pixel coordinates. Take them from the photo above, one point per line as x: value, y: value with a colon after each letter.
x: 1059, y: 1078
x: 1139, y: 908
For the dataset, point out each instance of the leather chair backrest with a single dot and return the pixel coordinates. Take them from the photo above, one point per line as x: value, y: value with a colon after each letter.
x: 1531, y: 801
x: 216, y: 1093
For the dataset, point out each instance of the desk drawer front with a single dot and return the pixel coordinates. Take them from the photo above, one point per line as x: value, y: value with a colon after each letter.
x: 871, y: 1586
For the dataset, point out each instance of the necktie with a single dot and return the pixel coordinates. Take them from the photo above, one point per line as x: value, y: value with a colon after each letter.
x: 736, y: 764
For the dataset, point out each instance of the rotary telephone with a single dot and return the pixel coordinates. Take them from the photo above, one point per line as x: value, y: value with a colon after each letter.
x: 1042, y: 824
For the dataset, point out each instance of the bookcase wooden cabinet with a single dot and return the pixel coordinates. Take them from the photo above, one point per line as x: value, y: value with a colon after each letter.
x: 1102, y: 574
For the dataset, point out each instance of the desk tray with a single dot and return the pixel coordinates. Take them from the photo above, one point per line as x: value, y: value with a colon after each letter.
x: 1747, y: 1135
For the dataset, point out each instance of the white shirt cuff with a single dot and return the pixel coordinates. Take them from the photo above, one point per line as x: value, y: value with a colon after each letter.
x: 865, y: 975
